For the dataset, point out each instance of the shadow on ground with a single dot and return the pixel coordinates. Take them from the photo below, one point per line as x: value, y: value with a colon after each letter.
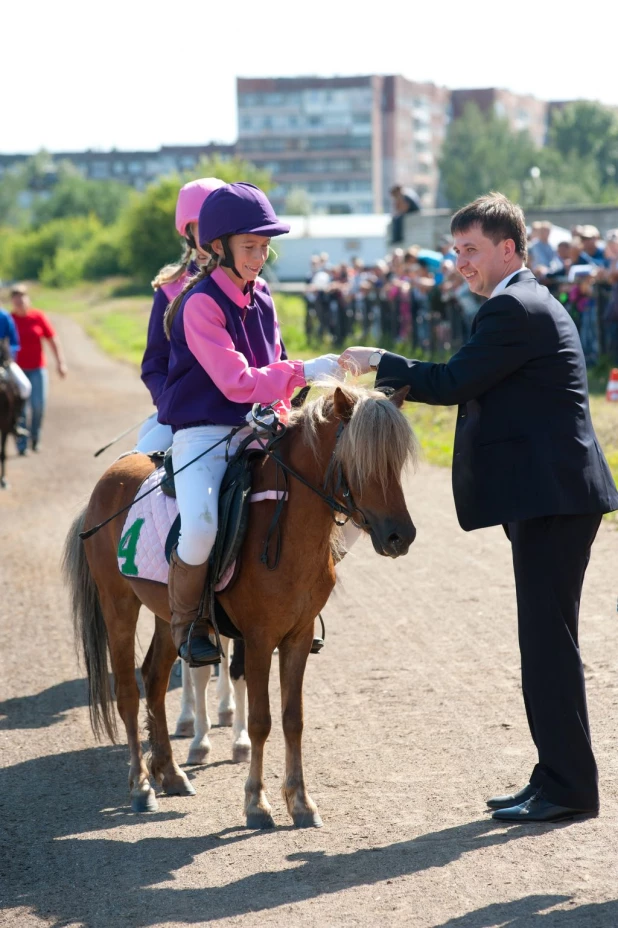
x: 53, y: 863
x: 530, y: 912
x: 51, y: 705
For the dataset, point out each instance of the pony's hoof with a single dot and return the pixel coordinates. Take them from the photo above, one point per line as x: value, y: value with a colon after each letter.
x: 179, y: 786
x: 144, y: 800
x: 226, y: 718
x: 198, y: 755
x: 241, y: 753
x: 4, y: 486
x: 260, y: 820
x: 184, y: 729
x: 307, y: 820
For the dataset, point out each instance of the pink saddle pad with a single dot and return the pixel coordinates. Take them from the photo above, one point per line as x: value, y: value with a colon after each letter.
x: 141, y: 550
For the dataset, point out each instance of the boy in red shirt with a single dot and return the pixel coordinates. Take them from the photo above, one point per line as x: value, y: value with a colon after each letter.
x: 32, y: 327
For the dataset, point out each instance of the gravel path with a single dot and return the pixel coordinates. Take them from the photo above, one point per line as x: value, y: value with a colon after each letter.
x: 413, y: 716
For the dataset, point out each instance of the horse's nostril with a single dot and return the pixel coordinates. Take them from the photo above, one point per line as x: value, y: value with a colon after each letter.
x: 394, y: 540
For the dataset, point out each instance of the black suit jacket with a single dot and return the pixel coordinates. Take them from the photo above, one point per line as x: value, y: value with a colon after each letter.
x: 524, y: 442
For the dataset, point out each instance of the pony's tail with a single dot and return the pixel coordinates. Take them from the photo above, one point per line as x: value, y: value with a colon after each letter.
x: 89, y: 628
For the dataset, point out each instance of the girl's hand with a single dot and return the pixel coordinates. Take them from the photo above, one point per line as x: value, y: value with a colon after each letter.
x: 327, y: 365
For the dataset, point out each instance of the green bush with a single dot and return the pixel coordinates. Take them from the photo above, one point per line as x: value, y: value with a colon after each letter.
x: 64, y: 269
x: 27, y: 253
x: 103, y: 255
x: 151, y: 240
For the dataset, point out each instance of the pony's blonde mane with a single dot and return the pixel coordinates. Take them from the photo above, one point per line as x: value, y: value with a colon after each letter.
x: 377, y: 442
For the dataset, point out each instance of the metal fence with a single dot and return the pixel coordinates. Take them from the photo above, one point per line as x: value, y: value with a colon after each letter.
x: 435, y: 326
x: 426, y: 323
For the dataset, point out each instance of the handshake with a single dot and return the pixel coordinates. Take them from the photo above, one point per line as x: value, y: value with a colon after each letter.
x: 357, y: 360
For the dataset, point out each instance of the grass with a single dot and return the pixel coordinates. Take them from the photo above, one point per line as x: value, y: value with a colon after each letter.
x: 115, y: 313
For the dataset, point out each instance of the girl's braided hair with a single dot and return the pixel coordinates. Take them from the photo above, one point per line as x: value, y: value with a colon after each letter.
x: 172, y: 272
x: 204, y: 272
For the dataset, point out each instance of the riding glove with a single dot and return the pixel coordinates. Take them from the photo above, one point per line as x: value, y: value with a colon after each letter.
x: 325, y: 366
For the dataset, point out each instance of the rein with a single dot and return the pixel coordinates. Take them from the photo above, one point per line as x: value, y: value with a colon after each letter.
x: 276, y: 432
x: 95, y: 528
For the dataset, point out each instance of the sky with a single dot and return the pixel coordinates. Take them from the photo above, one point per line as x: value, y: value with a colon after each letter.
x: 131, y: 74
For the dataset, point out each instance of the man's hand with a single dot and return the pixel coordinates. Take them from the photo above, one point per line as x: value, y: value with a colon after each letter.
x: 356, y: 360
x: 62, y: 369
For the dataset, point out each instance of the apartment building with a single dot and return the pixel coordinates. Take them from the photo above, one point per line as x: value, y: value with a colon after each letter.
x: 344, y: 140
x: 136, y: 168
x: 522, y: 111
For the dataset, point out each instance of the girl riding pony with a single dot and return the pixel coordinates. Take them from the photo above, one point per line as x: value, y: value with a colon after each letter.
x: 225, y: 355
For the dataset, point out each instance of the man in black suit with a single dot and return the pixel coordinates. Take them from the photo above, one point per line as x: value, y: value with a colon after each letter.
x: 526, y: 457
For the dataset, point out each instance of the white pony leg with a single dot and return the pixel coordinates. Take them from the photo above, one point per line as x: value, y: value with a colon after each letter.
x: 200, y: 746
x: 241, y: 744
x: 184, y: 726
x: 224, y: 687
x: 351, y: 534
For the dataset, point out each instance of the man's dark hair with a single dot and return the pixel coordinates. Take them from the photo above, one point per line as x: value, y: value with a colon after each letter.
x: 498, y: 218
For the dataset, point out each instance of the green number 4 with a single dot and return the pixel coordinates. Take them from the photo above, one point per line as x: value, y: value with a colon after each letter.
x: 127, y: 549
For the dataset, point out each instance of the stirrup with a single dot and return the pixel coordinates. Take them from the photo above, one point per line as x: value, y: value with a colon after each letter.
x: 318, y: 643
x: 212, y: 655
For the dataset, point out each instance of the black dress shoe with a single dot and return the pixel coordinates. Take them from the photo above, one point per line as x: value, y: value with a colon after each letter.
x: 507, y: 802
x: 199, y: 651
x: 539, y: 809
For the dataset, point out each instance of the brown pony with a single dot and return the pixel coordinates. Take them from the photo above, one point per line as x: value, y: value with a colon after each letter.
x: 358, y: 428
x: 10, y: 406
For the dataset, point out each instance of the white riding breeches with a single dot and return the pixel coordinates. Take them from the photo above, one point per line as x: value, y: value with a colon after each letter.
x: 153, y: 436
x: 197, y: 487
x: 23, y: 384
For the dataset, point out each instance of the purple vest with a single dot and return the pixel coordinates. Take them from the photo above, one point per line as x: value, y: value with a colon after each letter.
x: 157, y: 354
x: 190, y: 397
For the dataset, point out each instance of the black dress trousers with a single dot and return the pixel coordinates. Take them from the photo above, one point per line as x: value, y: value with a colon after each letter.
x: 550, y: 556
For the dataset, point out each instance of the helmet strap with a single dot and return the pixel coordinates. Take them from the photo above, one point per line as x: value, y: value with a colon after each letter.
x: 228, y: 259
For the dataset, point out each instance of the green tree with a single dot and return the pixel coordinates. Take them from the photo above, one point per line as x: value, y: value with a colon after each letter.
x: 482, y: 153
x: 74, y: 195
x: 588, y: 131
x: 298, y: 202
x: 231, y: 171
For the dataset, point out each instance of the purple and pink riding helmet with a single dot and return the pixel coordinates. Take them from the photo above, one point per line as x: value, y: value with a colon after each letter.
x: 237, y: 209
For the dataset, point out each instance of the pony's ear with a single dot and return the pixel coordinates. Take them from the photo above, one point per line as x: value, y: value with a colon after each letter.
x: 342, y: 404
x: 398, y: 397
x: 300, y: 397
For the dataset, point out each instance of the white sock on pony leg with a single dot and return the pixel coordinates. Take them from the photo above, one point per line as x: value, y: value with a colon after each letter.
x: 225, y: 693
x: 185, y: 725
x: 241, y: 745
x: 200, y: 746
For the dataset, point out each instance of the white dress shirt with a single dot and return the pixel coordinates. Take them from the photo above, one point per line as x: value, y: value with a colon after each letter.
x: 503, y: 283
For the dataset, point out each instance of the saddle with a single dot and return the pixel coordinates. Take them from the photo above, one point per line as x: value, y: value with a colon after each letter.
x: 234, y: 497
x: 234, y: 500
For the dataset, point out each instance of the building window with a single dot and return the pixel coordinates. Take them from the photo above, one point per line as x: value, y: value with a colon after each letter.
x: 99, y: 169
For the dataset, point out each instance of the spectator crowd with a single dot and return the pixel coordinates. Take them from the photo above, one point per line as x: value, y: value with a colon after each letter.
x: 416, y: 297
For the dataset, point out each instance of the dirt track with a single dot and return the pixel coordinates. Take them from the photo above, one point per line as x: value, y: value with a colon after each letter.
x: 414, y: 716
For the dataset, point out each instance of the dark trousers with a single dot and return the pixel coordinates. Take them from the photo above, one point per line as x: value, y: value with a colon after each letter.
x: 550, y: 556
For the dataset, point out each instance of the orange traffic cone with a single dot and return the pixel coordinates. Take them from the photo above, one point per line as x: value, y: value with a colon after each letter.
x: 611, y: 394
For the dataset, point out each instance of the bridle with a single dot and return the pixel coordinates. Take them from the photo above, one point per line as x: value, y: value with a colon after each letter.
x: 335, y: 483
